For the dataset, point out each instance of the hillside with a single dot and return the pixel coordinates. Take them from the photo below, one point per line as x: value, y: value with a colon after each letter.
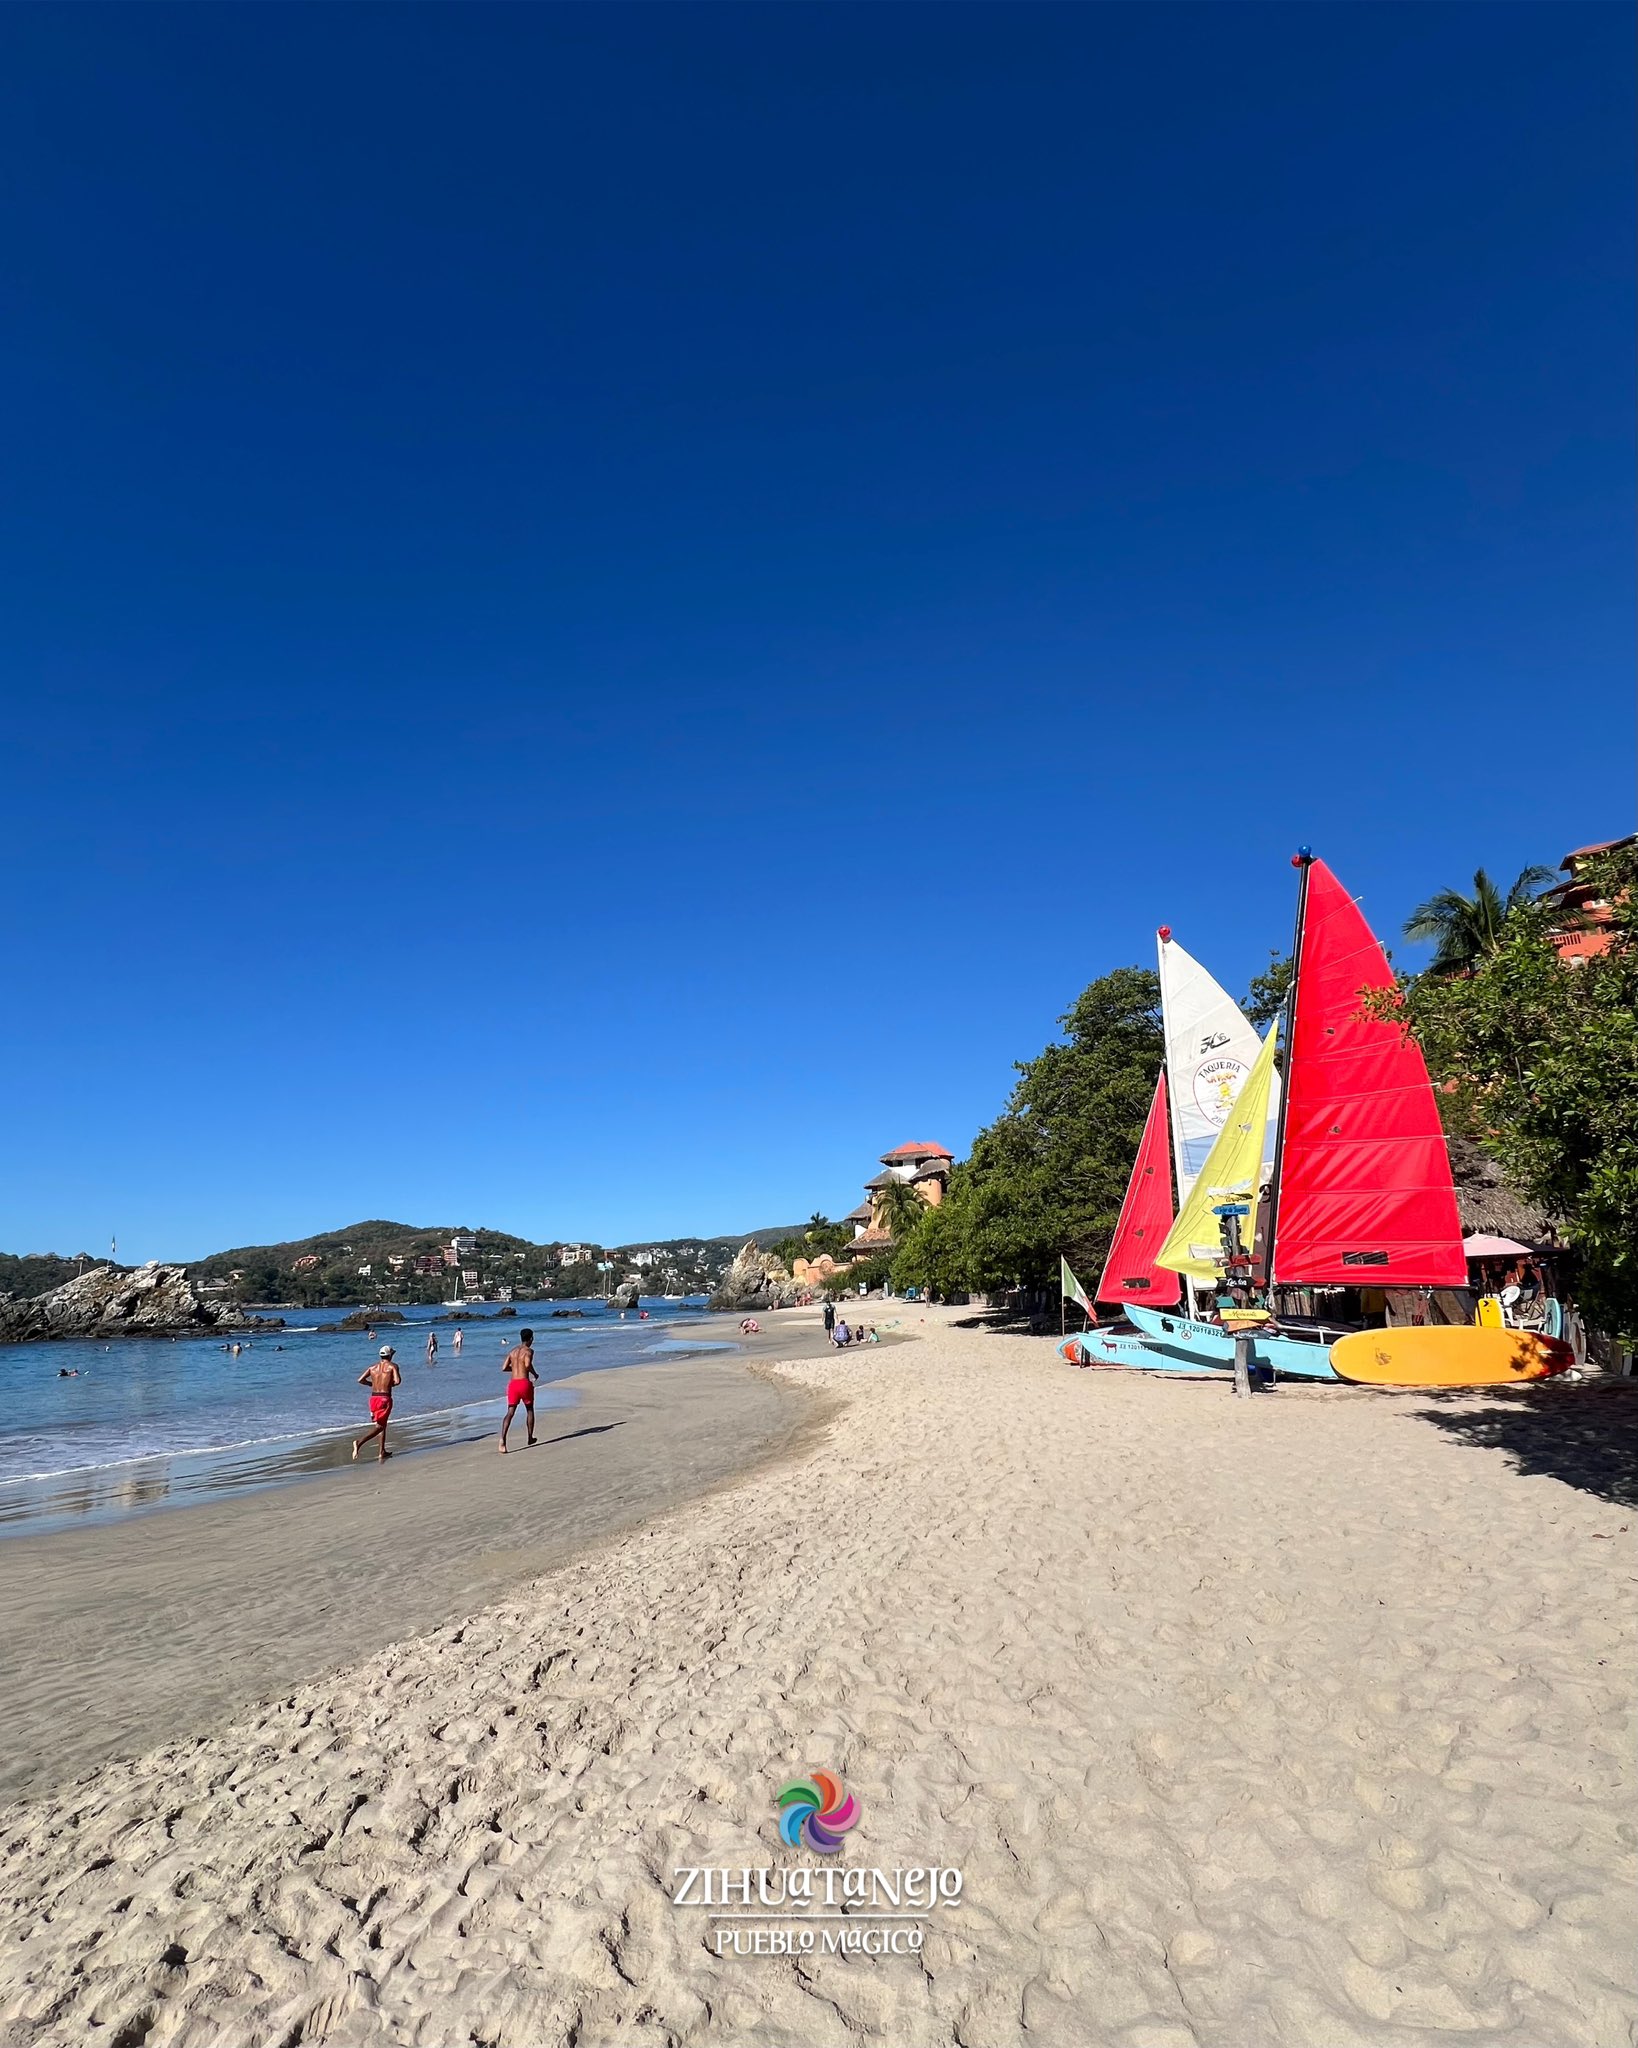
x: 405, y: 1263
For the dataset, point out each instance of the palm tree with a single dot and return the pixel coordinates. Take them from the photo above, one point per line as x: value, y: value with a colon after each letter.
x: 1465, y: 929
x: 899, y: 1209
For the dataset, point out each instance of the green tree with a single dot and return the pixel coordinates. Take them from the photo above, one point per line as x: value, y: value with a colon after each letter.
x: 1047, y: 1177
x: 1467, y: 929
x: 1537, y: 1057
x: 898, y: 1209
x: 1265, y: 998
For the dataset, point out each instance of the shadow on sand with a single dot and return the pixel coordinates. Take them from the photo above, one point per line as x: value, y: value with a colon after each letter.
x: 1587, y: 1436
x: 591, y: 1429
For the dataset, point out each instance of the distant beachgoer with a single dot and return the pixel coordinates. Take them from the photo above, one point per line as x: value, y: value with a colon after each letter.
x: 380, y: 1378
x: 456, y: 1346
x: 519, y: 1365
x: 841, y: 1334
x: 830, y: 1317
x: 432, y: 1347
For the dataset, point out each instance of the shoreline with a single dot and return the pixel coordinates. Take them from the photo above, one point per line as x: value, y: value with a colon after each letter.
x: 122, y: 1634
x: 141, y: 1482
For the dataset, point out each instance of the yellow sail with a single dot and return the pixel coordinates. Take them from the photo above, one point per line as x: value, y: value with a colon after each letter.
x: 1232, y: 1172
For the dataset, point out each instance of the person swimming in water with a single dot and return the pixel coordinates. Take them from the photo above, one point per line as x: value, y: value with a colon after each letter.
x: 380, y: 1378
x: 432, y: 1347
x: 519, y: 1366
x: 456, y: 1343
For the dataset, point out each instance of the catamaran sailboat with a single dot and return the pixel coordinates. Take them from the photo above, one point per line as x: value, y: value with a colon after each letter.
x: 1360, y: 1188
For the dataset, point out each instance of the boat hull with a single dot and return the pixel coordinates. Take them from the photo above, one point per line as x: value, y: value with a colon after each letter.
x: 1121, y: 1348
x: 1207, y: 1345
x: 1448, y: 1355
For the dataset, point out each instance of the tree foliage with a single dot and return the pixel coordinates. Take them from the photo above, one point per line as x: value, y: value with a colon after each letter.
x: 1540, y: 1058
x: 1467, y: 929
x: 1265, y: 998
x: 898, y: 1208
x: 1047, y: 1177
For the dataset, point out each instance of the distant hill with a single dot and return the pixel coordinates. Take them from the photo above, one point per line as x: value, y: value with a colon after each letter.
x: 324, y: 1270
x: 37, y: 1272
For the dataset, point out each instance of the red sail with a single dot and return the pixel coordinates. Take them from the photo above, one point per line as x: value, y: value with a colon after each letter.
x: 1145, y: 1218
x: 1365, y: 1194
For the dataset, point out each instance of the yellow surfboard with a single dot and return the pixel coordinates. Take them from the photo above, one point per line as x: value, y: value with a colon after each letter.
x: 1447, y: 1355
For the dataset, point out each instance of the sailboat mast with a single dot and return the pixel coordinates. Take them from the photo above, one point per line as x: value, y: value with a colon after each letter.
x: 1302, y: 860
x: 1173, y: 1100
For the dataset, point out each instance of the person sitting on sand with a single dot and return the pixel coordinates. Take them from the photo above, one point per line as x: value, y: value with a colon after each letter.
x: 841, y: 1334
x: 380, y: 1378
x: 519, y: 1366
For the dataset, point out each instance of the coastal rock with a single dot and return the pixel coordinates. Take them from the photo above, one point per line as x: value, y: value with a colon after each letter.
x: 628, y: 1293
x: 370, y: 1318
x: 756, y: 1279
x: 154, y: 1300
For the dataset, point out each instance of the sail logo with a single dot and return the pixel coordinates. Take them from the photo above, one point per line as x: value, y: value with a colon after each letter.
x: 1216, y: 1084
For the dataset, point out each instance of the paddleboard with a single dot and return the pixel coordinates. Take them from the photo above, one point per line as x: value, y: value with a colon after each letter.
x: 1447, y: 1355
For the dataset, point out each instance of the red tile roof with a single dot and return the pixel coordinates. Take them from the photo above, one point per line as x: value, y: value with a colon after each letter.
x: 1598, y: 846
x: 916, y: 1152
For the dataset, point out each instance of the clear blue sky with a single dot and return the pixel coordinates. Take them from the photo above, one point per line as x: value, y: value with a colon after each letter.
x: 609, y: 610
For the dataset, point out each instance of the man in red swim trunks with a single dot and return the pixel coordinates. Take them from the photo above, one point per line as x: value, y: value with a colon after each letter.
x: 380, y: 1378
x: 519, y: 1368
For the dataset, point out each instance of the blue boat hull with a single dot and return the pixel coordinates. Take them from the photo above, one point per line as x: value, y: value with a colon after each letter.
x: 1120, y: 1347
x: 1207, y: 1345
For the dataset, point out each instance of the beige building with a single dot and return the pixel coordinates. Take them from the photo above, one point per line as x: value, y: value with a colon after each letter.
x: 924, y: 1167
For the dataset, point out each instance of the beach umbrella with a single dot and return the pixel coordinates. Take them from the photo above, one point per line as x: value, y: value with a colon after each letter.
x: 1481, y: 1246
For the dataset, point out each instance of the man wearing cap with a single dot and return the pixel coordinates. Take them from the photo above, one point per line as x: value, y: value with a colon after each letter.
x: 380, y: 1378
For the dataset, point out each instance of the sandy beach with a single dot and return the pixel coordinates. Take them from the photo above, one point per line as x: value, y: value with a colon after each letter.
x: 1300, y: 1721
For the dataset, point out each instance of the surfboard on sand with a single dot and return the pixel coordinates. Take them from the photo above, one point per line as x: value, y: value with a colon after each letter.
x: 1447, y: 1355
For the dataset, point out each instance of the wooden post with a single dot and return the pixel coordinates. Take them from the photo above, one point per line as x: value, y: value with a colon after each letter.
x: 1242, y: 1364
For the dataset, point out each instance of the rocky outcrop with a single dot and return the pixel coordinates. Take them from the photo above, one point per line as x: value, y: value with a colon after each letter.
x: 628, y: 1293
x: 154, y: 1301
x: 369, y: 1318
x: 756, y: 1279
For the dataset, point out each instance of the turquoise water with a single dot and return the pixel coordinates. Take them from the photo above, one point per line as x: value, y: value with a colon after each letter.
x: 146, y: 1422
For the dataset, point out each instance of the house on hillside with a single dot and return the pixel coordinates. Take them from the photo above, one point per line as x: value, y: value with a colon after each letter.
x: 1592, y: 915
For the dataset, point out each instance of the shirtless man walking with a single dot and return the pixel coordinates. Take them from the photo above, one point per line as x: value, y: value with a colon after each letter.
x: 380, y: 1378
x: 519, y: 1367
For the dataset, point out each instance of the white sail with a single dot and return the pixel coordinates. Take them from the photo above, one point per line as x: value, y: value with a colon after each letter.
x: 1210, y: 1049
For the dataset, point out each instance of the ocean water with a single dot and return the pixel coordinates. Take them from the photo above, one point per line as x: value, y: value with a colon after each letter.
x: 146, y: 1422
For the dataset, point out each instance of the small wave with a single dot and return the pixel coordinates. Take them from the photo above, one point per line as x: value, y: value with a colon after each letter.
x: 457, y: 1412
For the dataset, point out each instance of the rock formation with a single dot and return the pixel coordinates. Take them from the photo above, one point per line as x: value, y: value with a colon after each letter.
x: 756, y: 1279
x: 155, y: 1301
x: 627, y: 1294
x: 368, y: 1318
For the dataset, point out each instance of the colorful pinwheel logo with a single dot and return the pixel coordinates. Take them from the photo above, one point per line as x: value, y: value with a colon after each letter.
x: 816, y: 1812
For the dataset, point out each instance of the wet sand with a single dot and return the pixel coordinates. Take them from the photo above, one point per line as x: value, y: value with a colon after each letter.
x: 124, y: 1634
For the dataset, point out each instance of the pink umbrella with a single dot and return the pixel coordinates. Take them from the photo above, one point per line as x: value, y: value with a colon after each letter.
x: 1478, y: 1246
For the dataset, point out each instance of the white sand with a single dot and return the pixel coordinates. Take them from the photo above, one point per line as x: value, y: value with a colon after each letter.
x: 1294, y: 1721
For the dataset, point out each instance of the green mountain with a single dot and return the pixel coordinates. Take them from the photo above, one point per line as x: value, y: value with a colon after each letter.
x: 381, y: 1261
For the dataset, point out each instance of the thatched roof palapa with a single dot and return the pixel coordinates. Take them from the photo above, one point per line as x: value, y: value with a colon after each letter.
x: 1486, y: 1202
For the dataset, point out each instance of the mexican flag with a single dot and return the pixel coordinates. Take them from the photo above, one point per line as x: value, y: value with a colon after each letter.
x: 1074, y: 1291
